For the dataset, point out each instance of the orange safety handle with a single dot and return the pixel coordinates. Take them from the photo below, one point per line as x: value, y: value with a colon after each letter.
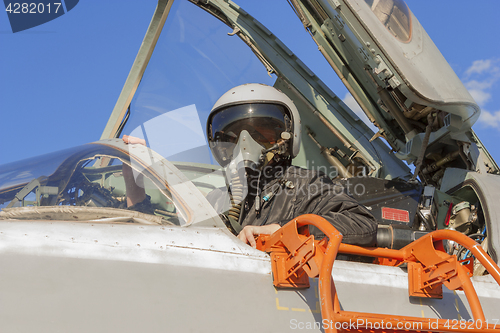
x: 419, y: 251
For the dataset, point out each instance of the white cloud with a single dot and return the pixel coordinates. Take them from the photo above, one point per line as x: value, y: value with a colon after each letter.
x: 479, y: 66
x: 490, y: 119
x: 480, y: 96
x: 482, y: 85
x: 480, y: 78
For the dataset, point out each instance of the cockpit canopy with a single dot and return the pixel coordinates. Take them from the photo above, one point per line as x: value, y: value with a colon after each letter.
x: 89, y: 183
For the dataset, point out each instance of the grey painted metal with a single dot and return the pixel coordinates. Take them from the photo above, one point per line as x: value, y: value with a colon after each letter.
x: 201, y: 247
x: 140, y: 63
x: 486, y: 186
x: 490, y: 163
x: 325, y: 36
x: 424, y: 74
x: 387, y: 166
x: 356, y: 45
x: 81, y: 277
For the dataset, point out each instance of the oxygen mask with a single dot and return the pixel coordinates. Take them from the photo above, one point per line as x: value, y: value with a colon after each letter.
x: 247, y: 154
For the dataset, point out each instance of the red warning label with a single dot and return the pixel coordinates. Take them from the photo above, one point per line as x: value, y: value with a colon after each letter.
x: 394, y: 214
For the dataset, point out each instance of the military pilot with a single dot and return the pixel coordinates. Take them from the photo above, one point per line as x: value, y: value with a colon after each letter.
x: 254, y: 132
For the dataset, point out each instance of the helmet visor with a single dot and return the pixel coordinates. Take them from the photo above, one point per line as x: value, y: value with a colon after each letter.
x: 264, y: 122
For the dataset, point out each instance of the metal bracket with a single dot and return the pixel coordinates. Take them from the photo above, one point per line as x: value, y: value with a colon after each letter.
x: 364, y: 54
x: 24, y: 192
x: 422, y: 287
x: 336, y: 4
x: 394, y: 82
x: 383, y: 71
x: 334, y: 25
x: 377, y: 135
x: 234, y: 32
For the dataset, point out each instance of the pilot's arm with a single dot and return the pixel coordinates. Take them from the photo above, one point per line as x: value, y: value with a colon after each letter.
x: 248, y: 232
x: 135, y: 193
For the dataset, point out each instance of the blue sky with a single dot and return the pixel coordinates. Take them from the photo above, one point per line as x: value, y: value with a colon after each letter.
x: 59, y: 81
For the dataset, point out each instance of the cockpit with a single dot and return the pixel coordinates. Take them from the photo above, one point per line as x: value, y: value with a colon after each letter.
x: 85, y: 183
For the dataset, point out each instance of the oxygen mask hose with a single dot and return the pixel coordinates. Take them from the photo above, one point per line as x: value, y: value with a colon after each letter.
x: 247, y: 159
x: 236, y: 196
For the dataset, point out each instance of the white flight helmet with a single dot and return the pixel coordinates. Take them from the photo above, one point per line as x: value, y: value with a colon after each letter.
x: 253, y: 110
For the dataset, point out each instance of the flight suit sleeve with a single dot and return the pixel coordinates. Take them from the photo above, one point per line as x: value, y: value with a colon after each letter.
x: 332, y: 202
